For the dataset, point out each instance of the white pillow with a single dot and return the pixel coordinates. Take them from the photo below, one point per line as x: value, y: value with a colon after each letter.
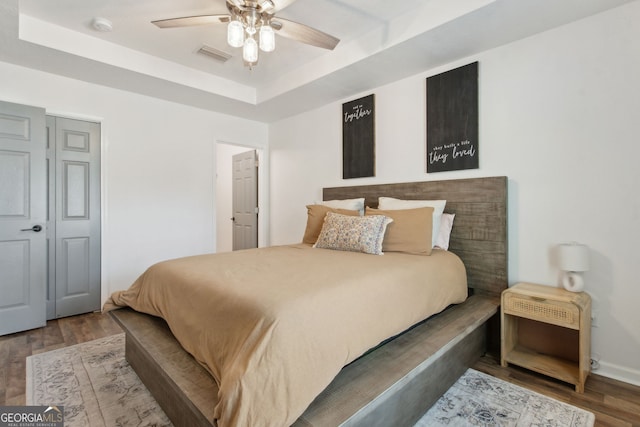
x: 446, y: 225
x: 389, y: 203
x: 350, y: 204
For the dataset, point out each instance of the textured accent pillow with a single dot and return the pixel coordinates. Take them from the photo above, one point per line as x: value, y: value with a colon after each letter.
x: 446, y: 224
x: 353, y: 233
x: 389, y: 203
x: 410, y: 231
x: 350, y: 204
x: 315, y: 219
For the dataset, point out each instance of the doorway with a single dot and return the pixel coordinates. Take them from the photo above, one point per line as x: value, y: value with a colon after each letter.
x: 224, y: 153
x: 245, y: 200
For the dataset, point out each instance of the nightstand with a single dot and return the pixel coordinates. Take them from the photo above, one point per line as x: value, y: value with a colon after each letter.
x: 547, y: 330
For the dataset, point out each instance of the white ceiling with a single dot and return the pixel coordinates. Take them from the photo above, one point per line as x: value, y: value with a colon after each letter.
x: 381, y: 41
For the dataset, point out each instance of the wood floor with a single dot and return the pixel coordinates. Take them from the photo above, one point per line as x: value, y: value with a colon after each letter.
x: 614, y: 403
x: 15, y: 348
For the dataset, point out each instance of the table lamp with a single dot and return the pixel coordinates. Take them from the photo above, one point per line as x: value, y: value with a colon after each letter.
x: 574, y: 259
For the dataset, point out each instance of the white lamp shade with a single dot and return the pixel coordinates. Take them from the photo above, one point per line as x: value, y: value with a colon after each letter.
x: 267, y: 38
x: 235, y: 34
x: 250, y: 51
x: 574, y: 257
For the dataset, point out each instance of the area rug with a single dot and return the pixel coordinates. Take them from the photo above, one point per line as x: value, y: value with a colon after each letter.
x: 478, y: 399
x: 98, y: 388
x: 94, y: 383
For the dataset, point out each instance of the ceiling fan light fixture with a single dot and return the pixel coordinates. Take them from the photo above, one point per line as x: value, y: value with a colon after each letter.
x: 251, y: 25
x: 250, y: 50
x: 267, y: 38
x: 235, y: 33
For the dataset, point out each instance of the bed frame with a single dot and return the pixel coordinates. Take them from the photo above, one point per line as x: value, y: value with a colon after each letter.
x: 396, y: 383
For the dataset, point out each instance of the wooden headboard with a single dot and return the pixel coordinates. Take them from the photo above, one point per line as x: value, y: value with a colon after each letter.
x: 479, y: 235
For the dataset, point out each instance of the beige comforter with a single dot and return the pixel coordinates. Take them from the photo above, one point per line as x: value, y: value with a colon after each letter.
x: 275, y: 325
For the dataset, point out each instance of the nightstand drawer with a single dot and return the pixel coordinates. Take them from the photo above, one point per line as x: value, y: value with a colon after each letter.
x: 543, y: 310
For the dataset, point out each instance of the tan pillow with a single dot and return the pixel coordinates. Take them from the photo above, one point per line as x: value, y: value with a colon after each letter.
x: 409, y: 232
x: 315, y: 219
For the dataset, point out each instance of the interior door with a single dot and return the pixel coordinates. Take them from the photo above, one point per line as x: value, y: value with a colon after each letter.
x: 77, y: 216
x: 245, y: 200
x: 22, y: 218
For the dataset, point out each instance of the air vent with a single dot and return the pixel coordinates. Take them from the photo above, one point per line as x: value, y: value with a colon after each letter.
x: 214, y: 53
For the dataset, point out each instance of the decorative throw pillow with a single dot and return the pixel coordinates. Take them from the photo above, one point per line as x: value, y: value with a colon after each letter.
x: 410, y: 231
x: 389, y: 203
x: 315, y: 219
x: 446, y: 224
x: 353, y: 233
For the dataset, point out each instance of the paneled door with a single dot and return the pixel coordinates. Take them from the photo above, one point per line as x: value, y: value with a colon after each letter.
x: 245, y: 200
x: 22, y: 218
x: 74, y: 217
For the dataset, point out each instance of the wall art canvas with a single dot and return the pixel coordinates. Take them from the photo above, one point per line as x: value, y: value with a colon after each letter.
x: 358, y: 138
x: 452, y: 120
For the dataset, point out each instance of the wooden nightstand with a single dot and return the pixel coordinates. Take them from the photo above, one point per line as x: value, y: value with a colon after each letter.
x: 547, y: 330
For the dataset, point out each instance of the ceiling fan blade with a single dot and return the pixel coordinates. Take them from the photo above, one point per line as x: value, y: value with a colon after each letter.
x: 190, y: 21
x: 303, y: 33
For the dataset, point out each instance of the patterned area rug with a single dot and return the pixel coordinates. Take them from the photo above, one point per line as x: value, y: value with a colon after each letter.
x: 94, y: 383
x: 478, y: 399
x: 98, y: 388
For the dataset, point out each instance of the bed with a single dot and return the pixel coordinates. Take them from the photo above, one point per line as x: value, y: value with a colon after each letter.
x: 391, y: 384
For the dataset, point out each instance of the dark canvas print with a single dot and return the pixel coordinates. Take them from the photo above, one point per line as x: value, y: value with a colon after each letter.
x: 358, y: 138
x: 452, y: 120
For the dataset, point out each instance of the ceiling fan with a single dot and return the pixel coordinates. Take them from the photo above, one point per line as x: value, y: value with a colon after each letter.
x: 248, y: 18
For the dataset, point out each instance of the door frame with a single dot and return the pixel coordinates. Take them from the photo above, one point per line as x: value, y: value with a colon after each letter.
x: 263, y: 190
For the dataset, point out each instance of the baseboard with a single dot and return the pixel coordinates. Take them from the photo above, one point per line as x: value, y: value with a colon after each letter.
x: 620, y: 373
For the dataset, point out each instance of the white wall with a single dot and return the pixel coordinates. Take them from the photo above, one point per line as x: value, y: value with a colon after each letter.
x: 157, y: 167
x: 558, y: 116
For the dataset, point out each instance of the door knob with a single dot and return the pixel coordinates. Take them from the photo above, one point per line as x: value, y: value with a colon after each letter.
x: 35, y: 228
